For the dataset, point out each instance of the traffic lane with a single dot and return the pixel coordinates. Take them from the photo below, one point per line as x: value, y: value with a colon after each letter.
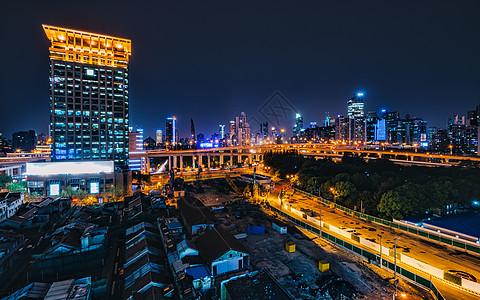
x: 415, y: 247
x: 450, y: 292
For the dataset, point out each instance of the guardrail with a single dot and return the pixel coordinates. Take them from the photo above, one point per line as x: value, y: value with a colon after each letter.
x: 450, y: 278
x: 424, y: 233
x: 361, y: 252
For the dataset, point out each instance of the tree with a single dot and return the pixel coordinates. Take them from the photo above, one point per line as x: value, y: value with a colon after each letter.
x: 401, y: 201
x: 344, y: 189
x: 34, y: 196
x: 115, y: 192
x: 4, y: 181
x: 70, y: 192
x: 17, y: 187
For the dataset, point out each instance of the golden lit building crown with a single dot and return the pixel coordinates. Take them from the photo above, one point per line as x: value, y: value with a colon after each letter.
x: 85, y: 47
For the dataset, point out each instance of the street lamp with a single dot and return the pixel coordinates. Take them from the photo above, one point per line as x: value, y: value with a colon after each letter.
x: 395, y: 261
x: 332, y: 190
x: 395, y: 256
x: 380, y: 250
x: 320, y: 222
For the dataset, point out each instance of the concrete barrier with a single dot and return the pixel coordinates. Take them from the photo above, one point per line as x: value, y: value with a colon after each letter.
x: 415, y: 263
x: 313, y: 220
x: 370, y: 244
x: 473, y: 286
x: 297, y: 212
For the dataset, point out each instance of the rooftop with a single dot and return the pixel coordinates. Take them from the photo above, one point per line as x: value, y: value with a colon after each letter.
x: 256, y: 285
x: 216, y: 242
x: 194, y: 212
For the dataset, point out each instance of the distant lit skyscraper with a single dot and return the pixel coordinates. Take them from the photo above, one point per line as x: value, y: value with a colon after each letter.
x: 356, y: 106
x: 231, y: 128
x: 159, y: 137
x: 341, y: 128
x: 221, y: 131
x: 135, y: 144
x: 171, y: 130
x: 192, y: 129
x: 264, y: 131
x: 298, y: 125
x: 242, y: 130
x: 24, y: 140
x: 88, y: 96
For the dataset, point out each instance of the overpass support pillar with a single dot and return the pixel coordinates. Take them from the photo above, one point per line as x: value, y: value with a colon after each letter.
x: 208, y: 161
x: 169, y: 162
x: 174, y: 162
x: 147, y: 165
x: 181, y: 163
x: 220, y: 158
x: 200, y: 161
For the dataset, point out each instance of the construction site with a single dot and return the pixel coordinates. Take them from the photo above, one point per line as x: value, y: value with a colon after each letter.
x: 305, y: 265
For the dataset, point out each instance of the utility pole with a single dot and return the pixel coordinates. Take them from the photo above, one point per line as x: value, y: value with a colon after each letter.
x: 395, y: 271
x: 395, y: 256
x: 380, y: 250
x: 321, y: 222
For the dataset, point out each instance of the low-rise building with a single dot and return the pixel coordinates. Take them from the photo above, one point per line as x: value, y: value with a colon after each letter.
x: 76, y: 248
x: 195, y: 215
x: 222, y: 252
x: 51, y: 178
x: 254, y: 285
x: 10, y: 244
x: 72, y: 289
x: 9, y: 204
x: 145, y: 269
x: 136, y: 204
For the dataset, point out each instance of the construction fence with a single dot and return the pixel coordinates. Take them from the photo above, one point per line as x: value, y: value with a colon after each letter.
x: 425, y: 233
x: 300, y: 218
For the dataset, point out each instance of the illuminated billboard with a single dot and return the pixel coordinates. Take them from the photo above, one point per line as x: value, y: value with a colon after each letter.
x: 54, y: 189
x: 69, y: 167
x: 94, y: 187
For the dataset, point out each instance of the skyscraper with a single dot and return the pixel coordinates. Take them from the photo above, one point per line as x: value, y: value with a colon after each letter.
x: 171, y: 131
x: 135, y: 144
x: 192, y: 130
x: 24, y: 140
x: 221, y: 131
x: 298, y: 125
x: 88, y: 96
x: 356, y: 106
x: 232, y: 131
x: 159, y: 137
x: 242, y: 130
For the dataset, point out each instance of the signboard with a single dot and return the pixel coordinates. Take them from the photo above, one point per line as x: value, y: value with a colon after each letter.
x: 69, y: 167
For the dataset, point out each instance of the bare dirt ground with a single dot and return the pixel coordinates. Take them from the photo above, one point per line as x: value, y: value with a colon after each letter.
x: 349, y: 277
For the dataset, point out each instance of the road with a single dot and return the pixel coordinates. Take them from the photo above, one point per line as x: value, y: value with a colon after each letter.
x: 428, y: 252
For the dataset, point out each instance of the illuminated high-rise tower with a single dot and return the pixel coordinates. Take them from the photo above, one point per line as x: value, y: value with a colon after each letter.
x: 171, y: 131
x: 88, y: 96
x: 356, y: 106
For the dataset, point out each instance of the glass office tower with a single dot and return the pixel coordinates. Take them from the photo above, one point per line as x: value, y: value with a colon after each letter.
x: 88, y: 96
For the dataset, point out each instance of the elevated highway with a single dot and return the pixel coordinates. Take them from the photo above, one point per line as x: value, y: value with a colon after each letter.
x: 238, y: 155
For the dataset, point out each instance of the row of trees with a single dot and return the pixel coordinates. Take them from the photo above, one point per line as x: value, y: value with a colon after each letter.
x: 379, y: 187
x: 111, y: 194
x: 6, y: 182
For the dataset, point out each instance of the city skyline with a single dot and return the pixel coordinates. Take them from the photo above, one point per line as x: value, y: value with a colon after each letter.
x: 191, y: 70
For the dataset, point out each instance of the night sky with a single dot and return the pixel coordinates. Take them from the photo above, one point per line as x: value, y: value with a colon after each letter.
x: 210, y: 60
